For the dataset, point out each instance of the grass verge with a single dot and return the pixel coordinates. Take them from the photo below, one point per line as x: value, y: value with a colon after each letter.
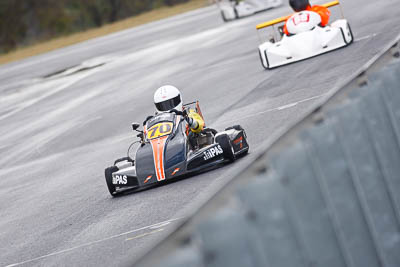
x: 154, y: 15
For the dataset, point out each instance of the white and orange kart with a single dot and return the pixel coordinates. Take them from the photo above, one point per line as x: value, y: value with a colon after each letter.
x: 308, y: 38
x: 166, y: 152
x: 235, y: 9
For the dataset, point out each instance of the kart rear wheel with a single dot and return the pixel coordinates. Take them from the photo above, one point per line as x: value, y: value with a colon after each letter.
x: 235, y: 127
x: 108, y: 174
x: 239, y: 128
x: 226, y: 145
x: 210, y: 130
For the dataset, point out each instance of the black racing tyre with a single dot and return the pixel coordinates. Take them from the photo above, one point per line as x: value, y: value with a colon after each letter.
x: 108, y: 174
x: 235, y: 127
x: 129, y: 159
x: 226, y: 145
x: 211, y: 130
x: 261, y: 59
x: 236, y: 13
x: 351, y: 33
x: 223, y: 16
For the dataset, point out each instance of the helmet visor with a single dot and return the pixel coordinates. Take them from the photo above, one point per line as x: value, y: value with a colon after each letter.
x: 169, y: 104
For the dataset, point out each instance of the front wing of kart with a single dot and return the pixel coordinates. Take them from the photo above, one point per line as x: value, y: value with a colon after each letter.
x: 229, y: 145
x: 306, y: 45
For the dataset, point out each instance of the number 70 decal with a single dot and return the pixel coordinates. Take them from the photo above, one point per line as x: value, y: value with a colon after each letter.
x: 159, y: 130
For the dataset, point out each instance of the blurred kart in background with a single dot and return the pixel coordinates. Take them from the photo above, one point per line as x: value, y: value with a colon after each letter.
x: 235, y: 9
x: 281, y: 49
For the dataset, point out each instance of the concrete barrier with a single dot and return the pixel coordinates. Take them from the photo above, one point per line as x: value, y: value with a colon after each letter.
x: 327, y: 193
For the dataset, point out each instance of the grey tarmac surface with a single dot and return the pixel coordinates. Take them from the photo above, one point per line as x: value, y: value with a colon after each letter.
x: 58, y: 132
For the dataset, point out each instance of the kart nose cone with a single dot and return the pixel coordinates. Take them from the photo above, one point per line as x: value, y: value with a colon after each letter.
x: 306, y: 43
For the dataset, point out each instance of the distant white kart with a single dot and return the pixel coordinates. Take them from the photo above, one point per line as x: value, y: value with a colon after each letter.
x: 308, y: 40
x: 234, y: 9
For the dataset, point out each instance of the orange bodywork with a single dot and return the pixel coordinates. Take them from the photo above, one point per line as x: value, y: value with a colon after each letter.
x: 158, y: 146
x: 322, y: 11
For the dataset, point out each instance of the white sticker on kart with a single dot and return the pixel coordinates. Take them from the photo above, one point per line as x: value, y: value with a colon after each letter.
x: 212, y: 152
x: 120, y: 179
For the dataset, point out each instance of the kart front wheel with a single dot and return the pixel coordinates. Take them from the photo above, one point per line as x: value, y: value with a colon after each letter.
x: 351, y: 34
x: 262, y: 61
x: 235, y: 127
x: 108, y: 174
x: 129, y: 159
x: 226, y: 145
x: 223, y: 16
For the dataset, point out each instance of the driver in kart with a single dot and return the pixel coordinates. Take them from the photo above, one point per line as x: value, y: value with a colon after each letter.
x: 304, y: 5
x: 168, y: 98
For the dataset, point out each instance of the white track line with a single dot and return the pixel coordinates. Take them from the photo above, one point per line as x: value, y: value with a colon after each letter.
x: 365, y: 37
x: 153, y: 226
x: 278, y: 108
x: 288, y: 106
x: 145, y: 234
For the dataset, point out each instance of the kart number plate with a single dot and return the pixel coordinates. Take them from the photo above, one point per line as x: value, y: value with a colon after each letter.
x: 159, y: 130
x: 300, y: 18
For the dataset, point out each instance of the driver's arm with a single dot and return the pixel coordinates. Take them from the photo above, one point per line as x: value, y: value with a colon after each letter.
x: 195, y: 121
x: 323, y: 12
x: 285, y: 30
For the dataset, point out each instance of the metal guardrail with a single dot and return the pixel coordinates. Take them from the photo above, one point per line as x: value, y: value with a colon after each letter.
x: 327, y: 193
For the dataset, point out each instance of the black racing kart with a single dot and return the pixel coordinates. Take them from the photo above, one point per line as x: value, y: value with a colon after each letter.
x: 167, y: 149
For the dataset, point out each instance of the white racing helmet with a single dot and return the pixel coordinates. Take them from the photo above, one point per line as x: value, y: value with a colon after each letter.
x: 303, y: 21
x: 167, y: 98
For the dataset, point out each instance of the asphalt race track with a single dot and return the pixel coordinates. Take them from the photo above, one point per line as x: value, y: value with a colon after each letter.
x: 58, y: 131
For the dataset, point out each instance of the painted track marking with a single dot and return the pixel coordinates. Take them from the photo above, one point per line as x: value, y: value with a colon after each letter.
x: 288, y: 106
x: 365, y: 37
x: 145, y: 234
x: 159, y: 225
x: 277, y: 109
x: 98, y: 241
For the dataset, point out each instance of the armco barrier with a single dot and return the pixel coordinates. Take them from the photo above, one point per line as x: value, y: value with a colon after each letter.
x: 327, y: 193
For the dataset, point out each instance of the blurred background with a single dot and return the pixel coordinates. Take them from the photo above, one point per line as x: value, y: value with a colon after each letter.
x: 26, y: 22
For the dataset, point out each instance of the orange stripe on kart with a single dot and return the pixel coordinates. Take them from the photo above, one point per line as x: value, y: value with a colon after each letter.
x: 154, y: 145
x: 160, y: 160
x: 158, y: 156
